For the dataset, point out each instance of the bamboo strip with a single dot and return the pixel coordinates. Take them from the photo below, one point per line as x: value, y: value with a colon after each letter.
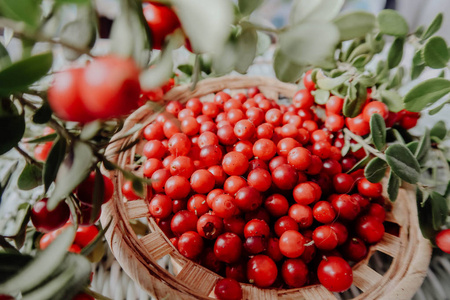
x: 136, y: 209
x: 156, y: 245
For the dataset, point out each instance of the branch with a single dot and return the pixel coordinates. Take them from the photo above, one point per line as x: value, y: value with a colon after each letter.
x: 366, y: 146
x: 27, y: 157
x: 21, y: 31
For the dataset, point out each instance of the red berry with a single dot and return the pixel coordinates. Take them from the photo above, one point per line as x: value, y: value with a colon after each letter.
x: 443, y: 240
x: 292, y: 243
x: 190, y: 244
x: 262, y: 271
x: 162, y: 21
x: 335, y: 274
x: 228, y: 247
x: 294, y: 272
x: 228, y: 289
x: 48, y: 220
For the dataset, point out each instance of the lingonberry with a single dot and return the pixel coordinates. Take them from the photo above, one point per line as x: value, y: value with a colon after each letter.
x: 45, y: 220
x: 261, y: 271
x: 294, y: 272
x: 335, y: 274
x: 228, y: 289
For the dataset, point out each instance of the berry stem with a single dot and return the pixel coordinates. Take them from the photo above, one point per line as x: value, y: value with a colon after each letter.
x: 366, y: 146
x: 27, y: 157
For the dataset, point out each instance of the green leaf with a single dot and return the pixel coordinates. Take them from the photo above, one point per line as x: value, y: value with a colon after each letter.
x: 393, y: 186
x: 90, y: 130
x: 418, y: 57
x: 73, y: 171
x: 186, y: 69
x: 367, y: 80
x: 68, y: 280
x: 247, y: 7
x: 12, y: 126
x: 30, y: 177
x: 42, y: 266
x: 22, y: 219
x: 97, y: 197
x: 354, y: 102
x: 11, y: 263
x: 416, y: 70
x: 435, y: 53
x: 25, y: 72
x: 301, y: 45
x: 396, y: 80
x: 224, y: 61
x: 375, y: 170
x: 425, y: 216
x: 92, y: 245
x: 206, y: 23
x: 6, y: 178
x: 360, y: 61
x: 390, y: 22
x: 319, y: 10
x: 53, y: 162
x: 162, y: 70
x: 43, y: 139
x: 412, y: 146
x: 439, y: 130
x: 136, y: 45
x: 321, y: 96
x: 423, y: 147
x: 285, y: 69
x: 392, y: 99
x: 43, y: 114
x: 138, y: 187
x: 395, y: 53
x: 5, y: 59
x: 328, y: 83
x: 354, y: 24
x: 426, y: 93
x: 439, y: 209
x: 27, y: 11
x: 360, y: 164
x: 434, y: 26
x: 246, y: 49
x: 80, y: 33
x: 438, y: 108
x: 403, y: 163
x: 378, y: 131
x: 263, y: 44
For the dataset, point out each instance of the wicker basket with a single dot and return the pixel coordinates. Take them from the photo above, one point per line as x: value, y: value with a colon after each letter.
x: 408, y: 252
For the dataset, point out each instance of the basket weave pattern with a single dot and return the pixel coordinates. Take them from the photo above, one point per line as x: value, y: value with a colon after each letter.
x: 138, y: 255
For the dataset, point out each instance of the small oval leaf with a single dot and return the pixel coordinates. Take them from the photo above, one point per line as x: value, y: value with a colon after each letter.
x: 321, y: 96
x: 439, y: 131
x: 390, y: 22
x: 354, y: 24
x: 378, y: 131
x: 393, y: 186
x: 434, y: 26
x: 285, y: 69
x: 435, y: 53
x: 43, y: 114
x: 403, y: 163
x: 30, y: 177
x: 53, y: 162
x: 439, y: 209
x: 375, y: 170
x: 395, y: 53
x: 424, y: 146
x: 25, y: 72
x: 392, y: 99
x: 426, y: 93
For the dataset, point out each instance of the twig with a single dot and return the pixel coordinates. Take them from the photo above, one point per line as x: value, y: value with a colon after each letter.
x: 27, y: 157
x: 20, y: 30
x: 366, y: 146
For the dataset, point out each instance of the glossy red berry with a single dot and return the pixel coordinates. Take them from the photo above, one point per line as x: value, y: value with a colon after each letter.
x: 335, y: 274
x: 46, y: 220
x: 261, y: 271
x: 443, y: 240
x: 228, y: 289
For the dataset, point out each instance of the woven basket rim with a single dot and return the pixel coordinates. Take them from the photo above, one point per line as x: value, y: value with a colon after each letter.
x: 132, y: 254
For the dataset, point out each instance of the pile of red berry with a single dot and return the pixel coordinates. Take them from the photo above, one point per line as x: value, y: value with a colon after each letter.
x: 257, y: 191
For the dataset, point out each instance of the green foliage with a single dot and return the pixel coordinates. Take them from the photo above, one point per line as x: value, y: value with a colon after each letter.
x: 378, y: 131
x: 395, y: 53
x: 426, y: 93
x: 375, y: 170
x: 393, y: 186
x: 247, y: 7
x: 434, y: 26
x: 355, y: 24
x: 435, y: 53
x: 30, y: 177
x: 12, y: 124
x: 18, y: 76
x: 403, y: 163
x: 27, y: 11
x: 390, y: 22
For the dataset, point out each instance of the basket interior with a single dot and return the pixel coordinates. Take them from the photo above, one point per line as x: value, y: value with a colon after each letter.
x: 385, y: 266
